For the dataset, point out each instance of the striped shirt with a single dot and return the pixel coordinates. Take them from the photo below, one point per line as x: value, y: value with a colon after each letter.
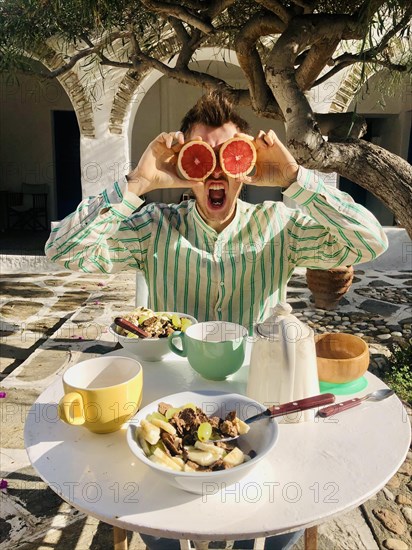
x: 235, y: 275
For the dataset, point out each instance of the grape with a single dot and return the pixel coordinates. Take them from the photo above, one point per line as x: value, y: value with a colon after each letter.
x: 204, y: 431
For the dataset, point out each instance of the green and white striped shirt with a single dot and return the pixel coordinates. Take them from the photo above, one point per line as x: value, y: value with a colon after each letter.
x: 235, y: 275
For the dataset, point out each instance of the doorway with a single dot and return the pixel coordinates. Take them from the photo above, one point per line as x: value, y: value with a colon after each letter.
x: 67, y: 162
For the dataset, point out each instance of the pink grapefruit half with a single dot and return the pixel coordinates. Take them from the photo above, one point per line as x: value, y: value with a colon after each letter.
x: 237, y: 157
x: 196, y: 160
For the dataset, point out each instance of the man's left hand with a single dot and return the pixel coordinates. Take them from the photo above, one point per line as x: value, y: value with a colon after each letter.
x: 275, y: 166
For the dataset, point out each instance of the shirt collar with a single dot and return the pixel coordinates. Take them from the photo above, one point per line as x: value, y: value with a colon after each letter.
x: 200, y: 222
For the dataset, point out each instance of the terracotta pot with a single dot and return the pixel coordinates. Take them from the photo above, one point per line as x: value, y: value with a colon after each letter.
x: 329, y: 285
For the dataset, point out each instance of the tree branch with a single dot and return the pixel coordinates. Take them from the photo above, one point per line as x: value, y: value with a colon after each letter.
x: 179, y: 29
x: 277, y: 8
x: 94, y: 48
x: 262, y: 24
x: 376, y: 170
x: 179, y: 12
x: 367, y: 10
x: 197, y: 5
x: 308, y: 8
x: 332, y: 72
x: 315, y: 60
x: 347, y: 59
x: 341, y: 126
x: 218, y: 6
x: 188, y: 47
x: 105, y: 60
x: 359, y: 59
x: 185, y: 75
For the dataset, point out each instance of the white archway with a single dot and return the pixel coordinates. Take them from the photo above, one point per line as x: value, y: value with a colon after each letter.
x: 159, y: 103
x: 204, y: 54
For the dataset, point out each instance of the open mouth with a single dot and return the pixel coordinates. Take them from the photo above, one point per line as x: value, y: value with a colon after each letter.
x: 216, y: 195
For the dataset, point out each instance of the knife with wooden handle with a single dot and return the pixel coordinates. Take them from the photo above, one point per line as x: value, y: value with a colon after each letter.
x: 294, y: 406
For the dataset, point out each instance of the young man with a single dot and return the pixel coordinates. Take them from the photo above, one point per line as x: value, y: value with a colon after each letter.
x: 216, y: 257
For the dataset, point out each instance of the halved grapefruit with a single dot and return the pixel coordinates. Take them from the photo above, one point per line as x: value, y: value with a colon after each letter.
x: 196, y: 160
x: 237, y: 157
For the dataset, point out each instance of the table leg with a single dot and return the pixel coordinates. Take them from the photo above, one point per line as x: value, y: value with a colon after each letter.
x: 311, y: 538
x: 119, y: 538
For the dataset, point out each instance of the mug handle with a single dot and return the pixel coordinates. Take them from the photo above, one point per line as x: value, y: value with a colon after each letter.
x: 180, y: 336
x: 67, y: 406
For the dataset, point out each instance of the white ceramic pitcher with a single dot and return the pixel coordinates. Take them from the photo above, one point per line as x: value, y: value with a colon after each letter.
x: 283, y: 362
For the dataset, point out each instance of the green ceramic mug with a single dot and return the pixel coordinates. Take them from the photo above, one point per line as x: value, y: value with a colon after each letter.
x: 214, y: 349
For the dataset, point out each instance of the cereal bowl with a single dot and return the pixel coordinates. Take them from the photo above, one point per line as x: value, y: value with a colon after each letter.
x: 261, y: 438
x: 147, y: 349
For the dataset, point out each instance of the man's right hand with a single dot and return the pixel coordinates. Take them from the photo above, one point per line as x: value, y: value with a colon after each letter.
x: 157, y: 166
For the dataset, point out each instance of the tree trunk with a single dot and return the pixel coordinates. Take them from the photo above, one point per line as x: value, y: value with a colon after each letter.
x: 384, y: 174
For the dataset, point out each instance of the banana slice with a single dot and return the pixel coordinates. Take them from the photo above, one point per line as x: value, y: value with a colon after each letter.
x: 242, y: 427
x: 164, y: 426
x: 142, y: 442
x: 202, y: 458
x: 234, y: 458
x: 161, y: 462
x: 150, y: 432
x: 178, y: 461
x: 176, y: 321
x: 217, y: 451
x: 161, y: 455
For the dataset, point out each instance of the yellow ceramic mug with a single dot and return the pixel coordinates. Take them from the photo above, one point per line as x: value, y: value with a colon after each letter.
x: 101, y: 394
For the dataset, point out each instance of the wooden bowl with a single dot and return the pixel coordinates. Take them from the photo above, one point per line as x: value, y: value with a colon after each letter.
x: 341, y: 357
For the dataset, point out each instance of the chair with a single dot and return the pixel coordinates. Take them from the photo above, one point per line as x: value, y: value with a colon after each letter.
x: 28, y: 209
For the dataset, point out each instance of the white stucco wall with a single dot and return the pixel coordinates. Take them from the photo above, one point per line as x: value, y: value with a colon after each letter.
x: 104, y: 158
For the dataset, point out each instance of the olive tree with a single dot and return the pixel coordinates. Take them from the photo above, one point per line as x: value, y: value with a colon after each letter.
x: 285, y: 48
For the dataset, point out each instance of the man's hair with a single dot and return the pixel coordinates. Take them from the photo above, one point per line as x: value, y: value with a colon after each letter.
x: 213, y: 109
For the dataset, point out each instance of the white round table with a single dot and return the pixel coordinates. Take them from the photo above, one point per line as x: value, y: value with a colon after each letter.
x: 317, y: 469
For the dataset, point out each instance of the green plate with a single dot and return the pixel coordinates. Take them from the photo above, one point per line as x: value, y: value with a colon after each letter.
x: 344, y: 389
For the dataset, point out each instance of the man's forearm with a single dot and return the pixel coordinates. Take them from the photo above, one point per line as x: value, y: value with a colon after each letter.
x: 341, y: 232
x: 138, y: 185
x: 86, y: 239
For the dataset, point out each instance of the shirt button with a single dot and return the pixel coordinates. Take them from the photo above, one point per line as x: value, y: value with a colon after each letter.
x: 219, y: 309
x: 222, y: 283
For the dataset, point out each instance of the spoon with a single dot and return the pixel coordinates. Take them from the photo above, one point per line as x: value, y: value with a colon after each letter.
x: 286, y: 408
x: 377, y: 395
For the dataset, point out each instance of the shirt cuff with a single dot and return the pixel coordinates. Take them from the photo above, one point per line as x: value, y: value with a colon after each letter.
x: 120, y: 200
x: 306, y: 187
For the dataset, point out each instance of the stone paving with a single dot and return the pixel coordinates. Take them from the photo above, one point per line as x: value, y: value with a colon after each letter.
x: 51, y: 320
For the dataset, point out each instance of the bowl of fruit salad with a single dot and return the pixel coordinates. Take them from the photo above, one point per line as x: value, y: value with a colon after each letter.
x: 156, y: 326
x: 177, y: 437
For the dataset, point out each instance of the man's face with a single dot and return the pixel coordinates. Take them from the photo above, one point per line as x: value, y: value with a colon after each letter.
x: 216, y: 198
